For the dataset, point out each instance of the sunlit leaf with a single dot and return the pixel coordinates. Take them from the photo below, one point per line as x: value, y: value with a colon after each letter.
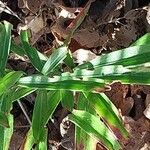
x: 55, y: 59
x: 106, y: 109
x: 129, y: 56
x: 82, y: 138
x: 100, y: 71
x: 60, y: 83
x: 141, y: 78
x: 95, y: 128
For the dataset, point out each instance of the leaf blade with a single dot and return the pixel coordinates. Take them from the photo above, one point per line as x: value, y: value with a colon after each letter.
x: 38, y: 112
x: 126, y: 57
x: 67, y: 100
x: 30, y: 51
x: 55, y: 59
x: 6, y: 134
x: 5, y: 40
x: 3, y: 120
x: 60, y: 83
x: 9, y: 80
x: 95, y: 128
x: 107, y: 111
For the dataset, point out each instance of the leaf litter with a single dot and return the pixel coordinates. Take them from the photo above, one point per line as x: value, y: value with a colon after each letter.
x: 109, y: 25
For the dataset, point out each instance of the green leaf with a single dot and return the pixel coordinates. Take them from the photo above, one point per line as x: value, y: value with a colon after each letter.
x: 82, y: 138
x: 5, y: 40
x: 18, y: 49
x: 55, y: 59
x: 21, y: 92
x: 100, y: 71
x: 106, y: 110
x: 84, y: 104
x: 9, y: 80
x: 6, y: 134
x: 12, y: 95
x: 129, y: 56
x: 6, y: 103
x: 31, y: 52
x: 53, y: 99
x: 60, y: 83
x: 69, y: 60
x: 132, y: 75
x: 43, y: 145
x: 67, y: 100
x: 38, y: 115
x: 141, y: 78
x: 145, y: 39
x: 45, y: 105
x: 3, y: 120
x: 95, y: 128
x: 28, y: 141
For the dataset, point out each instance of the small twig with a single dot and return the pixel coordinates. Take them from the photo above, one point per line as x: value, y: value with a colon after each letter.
x: 23, y: 110
x: 26, y: 126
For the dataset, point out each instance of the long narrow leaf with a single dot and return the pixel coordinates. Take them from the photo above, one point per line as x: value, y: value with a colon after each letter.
x: 105, y: 108
x: 129, y: 56
x: 3, y: 120
x: 55, y: 59
x: 20, y: 93
x: 38, y: 115
x: 44, y: 108
x: 134, y: 75
x: 53, y: 99
x: 5, y: 40
x: 12, y: 95
x: 95, y: 128
x: 9, y: 80
x: 6, y: 134
x: 141, y: 78
x: 100, y: 71
x: 31, y: 52
x: 82, y: 138
x: 43, y: 145
x: 67, y: 100
x: 60, y: 83
x: 18, y: 49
